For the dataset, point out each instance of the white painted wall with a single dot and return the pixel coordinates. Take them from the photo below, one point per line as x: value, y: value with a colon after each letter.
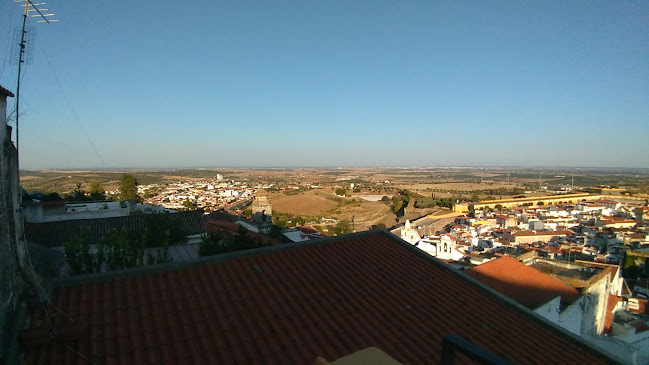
x: 571, y: 318
x: 550, y: 310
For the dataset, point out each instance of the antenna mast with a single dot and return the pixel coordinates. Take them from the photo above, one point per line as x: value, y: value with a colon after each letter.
x: 29, y: 6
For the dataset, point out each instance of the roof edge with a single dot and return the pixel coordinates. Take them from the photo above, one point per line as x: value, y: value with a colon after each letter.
x: 201, y: 261
x: 6, y: 92
x: 143, y: 270
x: 510, y: 302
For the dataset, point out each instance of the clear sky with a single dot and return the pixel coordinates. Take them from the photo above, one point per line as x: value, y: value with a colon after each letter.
x: 333, y: 83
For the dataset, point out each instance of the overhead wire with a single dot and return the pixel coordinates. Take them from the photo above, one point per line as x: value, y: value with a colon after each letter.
x: 74, y: 112
x: 79, y: 354
x: 43, y: 297
x: 9, y: 42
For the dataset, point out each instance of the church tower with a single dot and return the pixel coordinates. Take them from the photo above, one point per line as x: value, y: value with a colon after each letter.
x: 262, y: 212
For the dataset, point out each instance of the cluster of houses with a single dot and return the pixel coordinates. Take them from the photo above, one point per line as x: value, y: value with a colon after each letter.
x: 208, y: 195
x: 565, y: 262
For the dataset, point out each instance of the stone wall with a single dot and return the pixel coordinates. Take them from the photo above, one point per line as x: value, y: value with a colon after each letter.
x: 13, y: 262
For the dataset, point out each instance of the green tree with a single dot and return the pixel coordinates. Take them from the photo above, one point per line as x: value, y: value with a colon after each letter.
x: 96, y: 190
x: 343, y: 226
x: 150, y: 193
x: 78, y: 255
x: 341, y: 191
x: 298, y: 220
x: 162, y: 230
x: 128, y: 188
x: 189, y: 204
x: 275, y: 232
x: 212, y: 244
x: 51, y: 197
x: 77, y: 195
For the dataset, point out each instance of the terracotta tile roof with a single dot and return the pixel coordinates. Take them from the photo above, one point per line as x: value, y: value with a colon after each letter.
x: 308, y: 230
x: 640, y: 326
x: 288, y: 305
x: 541, y: 233
x: 228, y: 229
x: 610, y: 306
x: 55, y: 234
x: 526, y: 285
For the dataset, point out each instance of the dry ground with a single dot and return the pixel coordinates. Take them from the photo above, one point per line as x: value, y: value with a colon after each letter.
x: 321, y: 203
x: 445, y: 190
x: 310, y: 203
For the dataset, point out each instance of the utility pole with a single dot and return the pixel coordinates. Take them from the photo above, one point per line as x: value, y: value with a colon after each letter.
x: 29, y: 7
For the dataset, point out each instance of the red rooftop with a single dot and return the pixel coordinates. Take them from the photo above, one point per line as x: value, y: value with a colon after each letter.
x: 290, y: 304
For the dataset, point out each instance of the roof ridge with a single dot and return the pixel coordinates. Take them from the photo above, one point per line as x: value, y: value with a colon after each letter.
x: 496, y: 296
x: 213, y: 259
x: 510, y: 302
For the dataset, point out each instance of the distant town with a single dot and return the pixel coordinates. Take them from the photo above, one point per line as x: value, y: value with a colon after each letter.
x: 550, y: 255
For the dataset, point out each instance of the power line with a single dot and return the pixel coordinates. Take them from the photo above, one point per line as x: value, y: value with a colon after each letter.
x: 74, y: 112
x: 9, y: 43
x: 21, y: 59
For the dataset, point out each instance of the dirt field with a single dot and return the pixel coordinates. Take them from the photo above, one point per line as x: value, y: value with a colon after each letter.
x: 445, y: 190
x: 458, y: 186
x: 309, y: 203
x: 321, y: 203
x: 368, y: 214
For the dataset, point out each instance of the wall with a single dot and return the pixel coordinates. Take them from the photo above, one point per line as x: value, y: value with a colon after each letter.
x: 572, y: 317
x: 13, y: 261
x: 621, y: 349
x: 550, y: 310
x: 595, y: 307
x: 42, y: 212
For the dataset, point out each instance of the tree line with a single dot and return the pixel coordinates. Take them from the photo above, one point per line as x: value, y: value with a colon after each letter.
x: 95, y: 191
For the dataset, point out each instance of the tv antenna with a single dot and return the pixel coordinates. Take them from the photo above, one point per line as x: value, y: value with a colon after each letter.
x: 26, y: 46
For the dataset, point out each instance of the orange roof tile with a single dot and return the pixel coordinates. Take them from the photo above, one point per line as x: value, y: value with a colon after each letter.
x: 228, y: 229
x: 612, y: 302
x: 541, y: 233
x: 522, y: 283
x: 290, y: 304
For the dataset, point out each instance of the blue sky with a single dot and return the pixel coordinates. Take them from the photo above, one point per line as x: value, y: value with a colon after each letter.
x: 334, y: 83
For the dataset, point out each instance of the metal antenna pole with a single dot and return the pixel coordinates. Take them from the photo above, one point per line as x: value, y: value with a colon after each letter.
x: 21, y: 60
x: 20, y: 64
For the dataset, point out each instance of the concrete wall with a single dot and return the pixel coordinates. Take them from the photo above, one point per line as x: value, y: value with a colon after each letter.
x: 13, y: 262
x: 37, y: 212
x: 621, y: 349
x: 550, y: 310
x: 596, y: 300
x: 572, y: 317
